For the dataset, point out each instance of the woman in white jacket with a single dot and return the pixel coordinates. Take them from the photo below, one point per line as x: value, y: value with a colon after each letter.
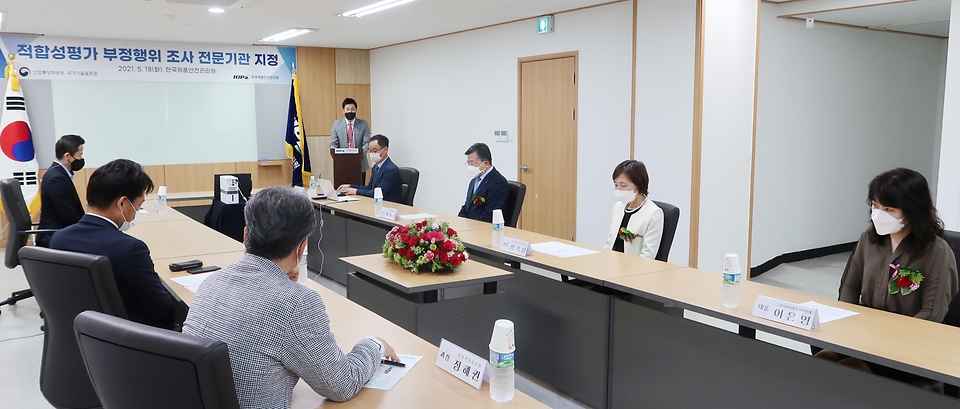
x: 637, y: 222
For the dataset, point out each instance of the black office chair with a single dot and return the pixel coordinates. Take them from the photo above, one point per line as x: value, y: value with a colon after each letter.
x: 138, y: 366
x: 517, y: 191
x: 953, y: 312
x: 671, y: 218
x: 65, y: 285
x: 410, y: 178
x: 20, y: 228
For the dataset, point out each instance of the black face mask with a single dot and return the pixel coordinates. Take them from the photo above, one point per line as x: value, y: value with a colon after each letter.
x: 350, y: 115
x: 76, y: 165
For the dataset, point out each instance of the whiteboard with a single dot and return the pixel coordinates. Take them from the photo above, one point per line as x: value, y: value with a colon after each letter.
x: 158, y: 123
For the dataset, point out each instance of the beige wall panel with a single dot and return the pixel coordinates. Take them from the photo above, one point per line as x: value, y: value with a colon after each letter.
x: 196, y: 177
x: 353, y: 66
x: 316, y: 68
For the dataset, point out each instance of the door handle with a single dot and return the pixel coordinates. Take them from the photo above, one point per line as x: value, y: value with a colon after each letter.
x: 524, y: 167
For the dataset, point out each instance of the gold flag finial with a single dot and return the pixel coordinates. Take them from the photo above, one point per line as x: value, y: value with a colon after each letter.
x: 10, y: 74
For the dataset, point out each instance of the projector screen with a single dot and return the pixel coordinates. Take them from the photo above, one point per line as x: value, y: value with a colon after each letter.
x: 158, y: 123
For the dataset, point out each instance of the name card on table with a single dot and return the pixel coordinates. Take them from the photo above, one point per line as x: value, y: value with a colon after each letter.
x: 788, y: 313
x: 388, y: 213
x: 516, y: 246
x: 463, y: 364
x: 340, y: 151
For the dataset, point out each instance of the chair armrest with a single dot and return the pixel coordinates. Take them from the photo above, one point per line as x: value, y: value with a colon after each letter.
x: 39, y: 231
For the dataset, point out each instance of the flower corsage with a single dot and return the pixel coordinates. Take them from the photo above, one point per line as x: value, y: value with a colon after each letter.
x: 626, y: 235
x: 478, y: 200
x: 905, y: 280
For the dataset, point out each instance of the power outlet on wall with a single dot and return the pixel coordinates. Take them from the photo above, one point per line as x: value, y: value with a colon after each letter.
x: 501, y: 136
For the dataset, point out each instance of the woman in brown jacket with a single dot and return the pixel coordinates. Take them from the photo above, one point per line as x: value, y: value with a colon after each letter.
x: 901, y: 264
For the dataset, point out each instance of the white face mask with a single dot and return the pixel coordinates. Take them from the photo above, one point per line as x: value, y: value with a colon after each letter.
x: 127, y: 225
x: 625, y: 196
x: 474, y: 171
x: 885, y: 223
x: 374, y: 157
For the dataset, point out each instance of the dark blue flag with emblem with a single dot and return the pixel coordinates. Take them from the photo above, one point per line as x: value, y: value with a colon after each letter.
x: 296, y: 143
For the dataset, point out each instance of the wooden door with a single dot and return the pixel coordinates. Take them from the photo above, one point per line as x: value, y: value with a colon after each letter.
x: 548, y: 144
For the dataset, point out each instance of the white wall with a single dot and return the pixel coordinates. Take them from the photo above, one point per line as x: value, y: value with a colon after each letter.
x: 435, y: 97
x: 837, y: 106
x: 729, y: 66
x: 666, y: 52
x: 948, y: 190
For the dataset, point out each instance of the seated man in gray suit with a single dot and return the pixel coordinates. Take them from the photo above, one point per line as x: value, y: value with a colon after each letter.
x: 351, y: 132
x: 277, y: 330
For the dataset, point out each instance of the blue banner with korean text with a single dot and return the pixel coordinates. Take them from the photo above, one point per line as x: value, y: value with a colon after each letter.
x: 62, y: 58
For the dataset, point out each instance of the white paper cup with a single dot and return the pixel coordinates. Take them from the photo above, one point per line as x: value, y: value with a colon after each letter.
x: 377, y: 193
x: 731, y: 263
x: 162, y: 191
x: 497, y: 216
x: 503, y: 340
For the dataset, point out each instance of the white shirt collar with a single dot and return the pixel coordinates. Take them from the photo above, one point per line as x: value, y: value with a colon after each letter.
x: 485, y: 174
x: 69, y: 173
x: 104, y: 218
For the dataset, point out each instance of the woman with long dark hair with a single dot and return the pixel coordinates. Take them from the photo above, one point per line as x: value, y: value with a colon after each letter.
x: 901, y: 264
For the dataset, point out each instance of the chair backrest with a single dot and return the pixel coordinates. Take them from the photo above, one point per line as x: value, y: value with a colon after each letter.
x: 953, y: 238
x: 19, y: 218
x: 671, y: 218
x: 410, y: 178
x: 66, y: 284
x: 516, y: 192
x: 953, y: 312
x: 138, y: 366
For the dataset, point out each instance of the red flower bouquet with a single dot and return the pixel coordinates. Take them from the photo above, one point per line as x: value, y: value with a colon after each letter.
x: 425, y: 246
x: 478, y: 200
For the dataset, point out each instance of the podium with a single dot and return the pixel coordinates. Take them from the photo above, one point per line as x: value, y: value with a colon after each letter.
x: 346, y: 166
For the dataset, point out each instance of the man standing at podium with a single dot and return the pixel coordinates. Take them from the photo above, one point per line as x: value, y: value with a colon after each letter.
x: 351, y: 132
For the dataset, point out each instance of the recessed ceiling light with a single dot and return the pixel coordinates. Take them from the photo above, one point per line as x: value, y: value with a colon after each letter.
x: 215, y: 10
x: 287, y: 34
x: 375, y: 7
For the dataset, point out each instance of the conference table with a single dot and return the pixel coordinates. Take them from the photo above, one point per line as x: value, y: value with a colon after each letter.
x: 609, y: 330
x: 172, y: 237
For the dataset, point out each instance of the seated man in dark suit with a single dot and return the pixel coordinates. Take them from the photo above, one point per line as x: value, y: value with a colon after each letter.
x: 115, y: 193
x: 59, y: 203
x: 385, y: 174
x: 487, y: 190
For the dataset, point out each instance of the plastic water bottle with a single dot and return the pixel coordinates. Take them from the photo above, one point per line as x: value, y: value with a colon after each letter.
x: 497, y: 228
x: 502, y: 353
x: 377, y: 201
x: 731, y: 280
x: 161, y: 200
x: 313, y: 186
